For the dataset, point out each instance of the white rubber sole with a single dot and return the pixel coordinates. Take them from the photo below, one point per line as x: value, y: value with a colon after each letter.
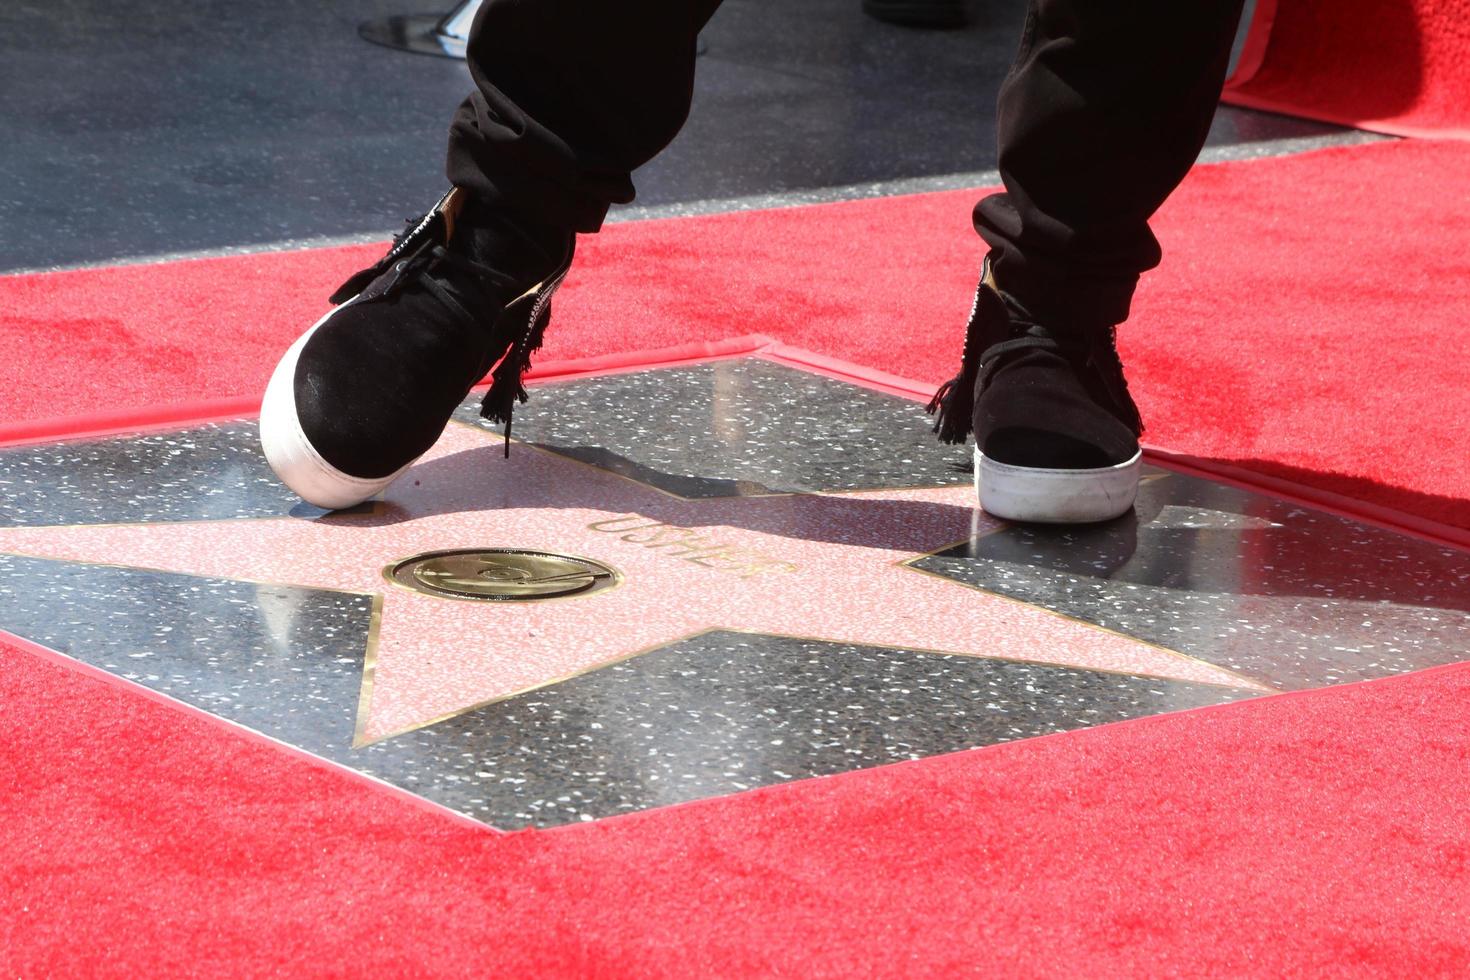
x: 290, y: 453
x: 1044, y: 496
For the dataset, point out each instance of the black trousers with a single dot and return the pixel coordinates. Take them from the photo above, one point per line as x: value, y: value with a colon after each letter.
x: 1102, y: 114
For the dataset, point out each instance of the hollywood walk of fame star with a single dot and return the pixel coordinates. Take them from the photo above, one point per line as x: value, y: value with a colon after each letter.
x: 823, y: 566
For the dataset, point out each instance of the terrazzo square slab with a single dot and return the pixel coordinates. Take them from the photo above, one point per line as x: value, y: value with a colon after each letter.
x: 793, y: 593
x: 1288, y: 596
x: 739, y: 427
x: 210, y: 473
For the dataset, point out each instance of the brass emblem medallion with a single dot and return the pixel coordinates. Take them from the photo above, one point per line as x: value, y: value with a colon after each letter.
x: 501, y: 574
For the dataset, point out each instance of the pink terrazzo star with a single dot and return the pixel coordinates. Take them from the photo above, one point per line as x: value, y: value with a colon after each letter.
x: 822, y: 566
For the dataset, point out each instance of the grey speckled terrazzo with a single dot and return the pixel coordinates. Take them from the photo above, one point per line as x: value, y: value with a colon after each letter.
x: 738, y: 428
x: 1276, y: 592
x: 283, y: 660
x: 725, y: 712
x: 206, y: 473
x: 707, y: 716
x: 1292, y: 597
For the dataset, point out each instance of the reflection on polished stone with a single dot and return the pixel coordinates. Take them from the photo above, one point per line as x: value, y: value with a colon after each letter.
x: 738, y: 428
x: 1289, y: 596
x: 282, y: 660
x: 210, y: 472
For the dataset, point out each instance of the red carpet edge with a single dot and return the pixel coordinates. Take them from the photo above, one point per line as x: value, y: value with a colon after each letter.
x: 231, y: 728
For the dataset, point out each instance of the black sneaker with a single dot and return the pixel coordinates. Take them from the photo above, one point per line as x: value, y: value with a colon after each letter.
x: 917, y: 13
x: 370, y: 387
x: 1056, y: 431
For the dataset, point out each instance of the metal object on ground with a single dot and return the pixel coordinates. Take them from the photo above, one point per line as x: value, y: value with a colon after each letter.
x: 501, y: 574
x: 442, y: 35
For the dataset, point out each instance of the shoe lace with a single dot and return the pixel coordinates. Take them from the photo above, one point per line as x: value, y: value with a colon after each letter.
x: 426, y: 267
x: 459, y: 283
x: 1024, y: 336
x: 507, y: 384
x: 953, y: 403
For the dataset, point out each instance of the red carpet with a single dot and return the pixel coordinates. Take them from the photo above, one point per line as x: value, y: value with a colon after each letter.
x: 1326, y: 832
x: 1307, y: 323
x: 1394, y: 66
x: 1300, y: 330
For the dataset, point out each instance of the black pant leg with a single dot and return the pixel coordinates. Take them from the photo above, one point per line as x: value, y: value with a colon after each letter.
x: 1103, y: 113
x: 570, y: 96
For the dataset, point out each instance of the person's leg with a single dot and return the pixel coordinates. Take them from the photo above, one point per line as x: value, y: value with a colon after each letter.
x: 1103, y: 113
x: 571, y: 96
